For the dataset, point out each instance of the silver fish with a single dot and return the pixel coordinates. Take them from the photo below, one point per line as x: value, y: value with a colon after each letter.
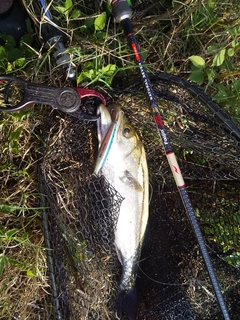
x: 125, y: 167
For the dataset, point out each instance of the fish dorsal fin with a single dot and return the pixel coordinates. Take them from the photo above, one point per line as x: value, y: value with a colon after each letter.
x: 129, y: 179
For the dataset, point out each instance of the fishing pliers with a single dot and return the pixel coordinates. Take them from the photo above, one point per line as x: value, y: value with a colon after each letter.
x: 65, y: 99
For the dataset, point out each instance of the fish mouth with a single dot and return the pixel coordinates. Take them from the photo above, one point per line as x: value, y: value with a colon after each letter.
x: 103, y: 123
x: 116, y: 115
x: 115, y: 112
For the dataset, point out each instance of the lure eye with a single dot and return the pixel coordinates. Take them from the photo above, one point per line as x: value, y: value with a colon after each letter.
x: 127, y: 131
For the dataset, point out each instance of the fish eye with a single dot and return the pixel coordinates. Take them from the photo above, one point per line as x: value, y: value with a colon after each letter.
x: 127, y: 131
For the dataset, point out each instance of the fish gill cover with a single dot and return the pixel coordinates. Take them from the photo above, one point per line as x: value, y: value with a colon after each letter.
x: 172, y: 279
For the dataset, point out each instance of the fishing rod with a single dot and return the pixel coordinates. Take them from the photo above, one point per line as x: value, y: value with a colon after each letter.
x: 122, y: 13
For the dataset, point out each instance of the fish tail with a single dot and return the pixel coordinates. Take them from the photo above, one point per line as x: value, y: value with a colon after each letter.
x: 127, y: 303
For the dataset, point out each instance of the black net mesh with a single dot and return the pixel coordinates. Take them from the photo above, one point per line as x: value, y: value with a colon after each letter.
x: 82, y: 210
x: 172, y: 281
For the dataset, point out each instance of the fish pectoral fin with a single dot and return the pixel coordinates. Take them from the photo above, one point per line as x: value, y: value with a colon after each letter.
x: 129, y: 179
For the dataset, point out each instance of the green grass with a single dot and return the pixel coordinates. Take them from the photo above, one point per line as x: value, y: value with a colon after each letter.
x: 198, y: 40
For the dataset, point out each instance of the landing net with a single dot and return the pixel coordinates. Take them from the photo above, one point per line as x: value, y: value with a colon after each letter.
x: 81, y: 210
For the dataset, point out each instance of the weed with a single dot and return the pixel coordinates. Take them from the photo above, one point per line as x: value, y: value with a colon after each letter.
x: 218, y: 64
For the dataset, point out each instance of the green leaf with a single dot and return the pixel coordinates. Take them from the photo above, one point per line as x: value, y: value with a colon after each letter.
x: 10, y: 233
x: 27, y: 38
x: 235, y: 31
x: 3, y: 60
x: 5, y: 208
x: 211, y: 75
x: 8, y: 39
x: 21, y: 114
x: 61, y: 9
x: 236, y: 216
x: 212, y: 48
x: 236, y: 85
x: 3, y: 262
x: 219, y: 58
x: 20, y: 63
x: 9, y: 46
x: 86, y: 75
x: 227, y: 64
x: 221, y: 95
x: 30, y: 273
x: 68, y: 4
x: 2, y: 52
x: 76, y: 14
x: 100, y: 22
x: 14, y: 262
x: 88, y: 22
x: 211, y: 4
x: 233, y: 259
x: 144, y: 54
x: 14, y: 54
x: 14, y: 147
x: 197, y: 61
x: 230, y: 52
x: 15, y: 134
x: 25, y: 45
x: 28, y: 23
x: 24, y: 237
x: 101, y: 35
x: 197, y: 76
x: 234, y: 43
x: 88, y: 65
x: 109, y: 69
x: 9, y: 67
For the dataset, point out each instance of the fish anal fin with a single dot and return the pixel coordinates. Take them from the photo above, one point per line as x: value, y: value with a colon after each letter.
x: 129, y: 179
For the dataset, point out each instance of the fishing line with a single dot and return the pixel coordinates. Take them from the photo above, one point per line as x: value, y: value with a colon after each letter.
x: 200, y: 95
x: 122, y: 13
x: 160, y: 282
